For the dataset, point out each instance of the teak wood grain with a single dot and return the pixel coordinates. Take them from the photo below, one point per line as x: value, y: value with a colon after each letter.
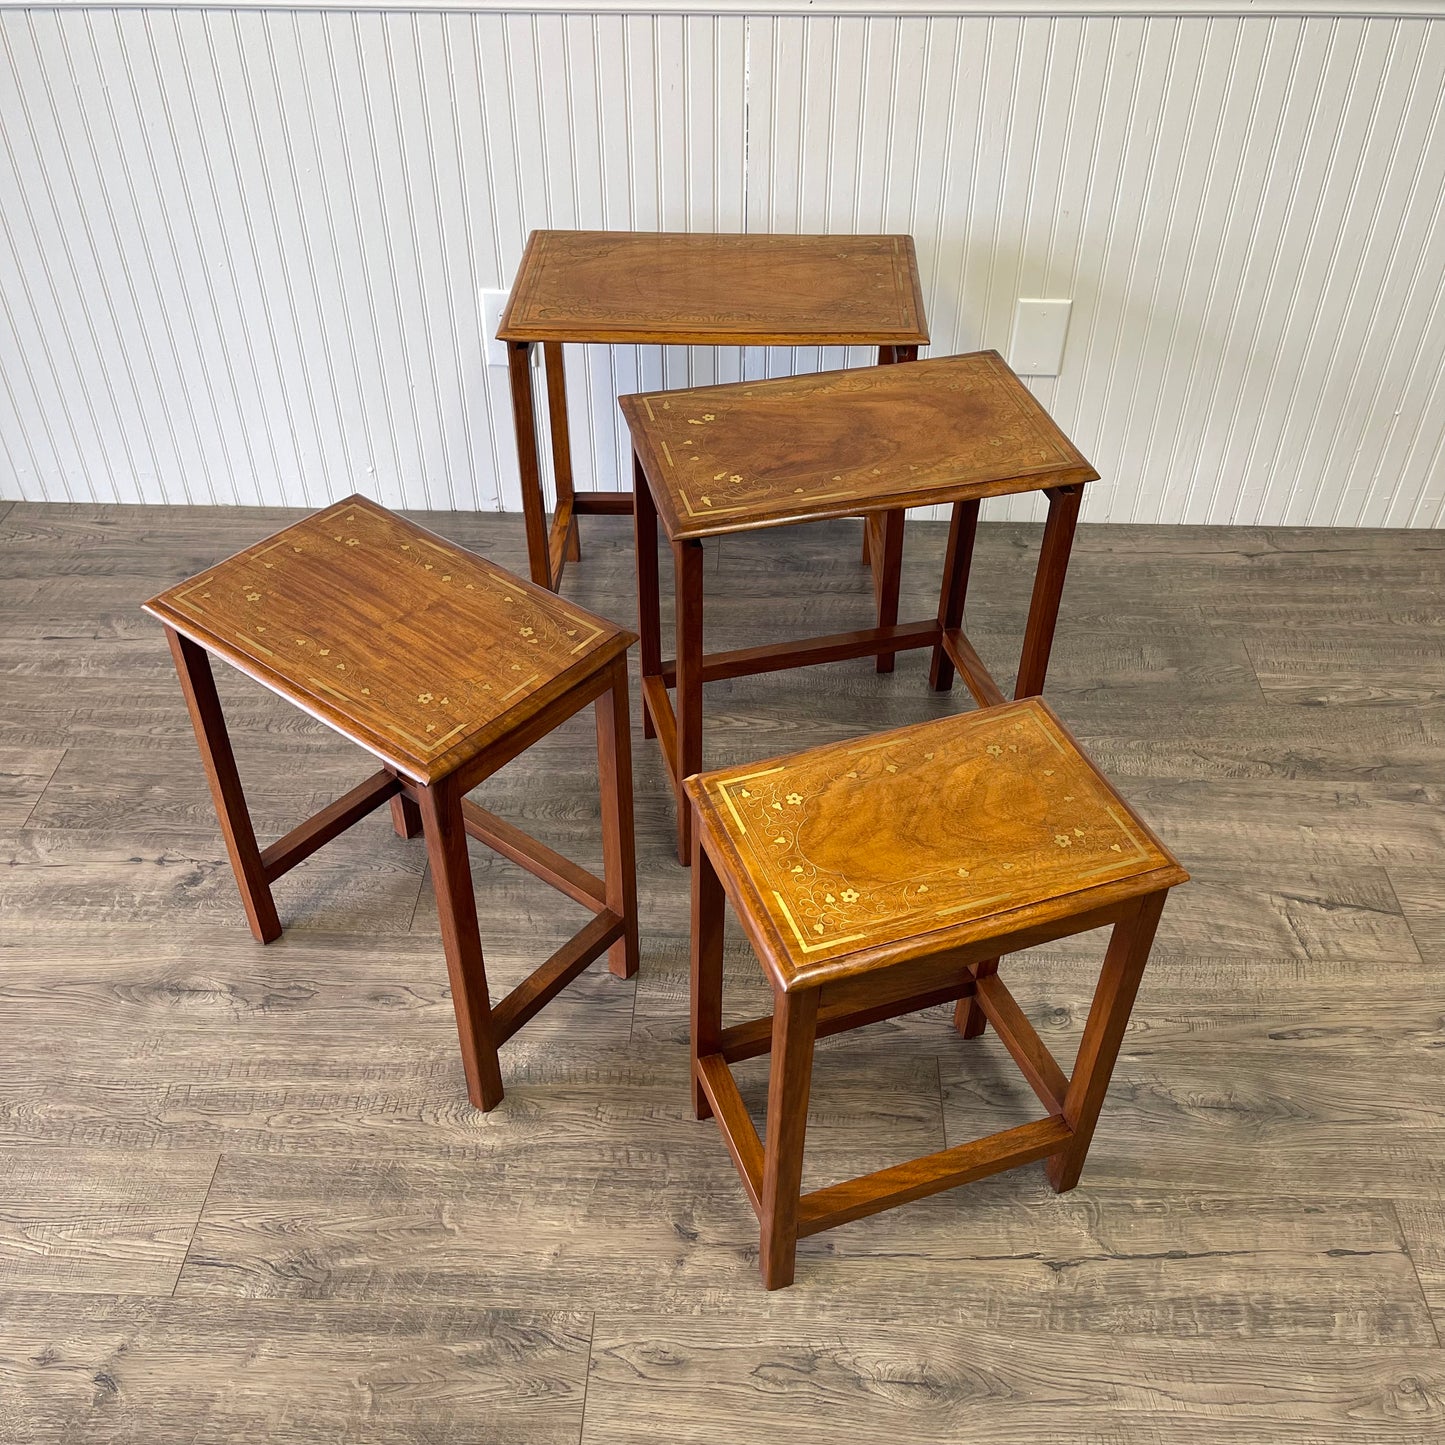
x: 415, y: 649
x: 705, y: 289
x: 446, y: 667
x: 858, y: 855
x: 745, y: 455
x: 685, y: 289
x: 884, y: 875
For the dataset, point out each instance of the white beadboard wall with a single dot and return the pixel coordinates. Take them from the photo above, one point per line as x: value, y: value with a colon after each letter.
x: 240, y: 248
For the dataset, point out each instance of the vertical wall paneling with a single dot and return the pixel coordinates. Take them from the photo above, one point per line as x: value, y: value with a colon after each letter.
x: 240, y: 250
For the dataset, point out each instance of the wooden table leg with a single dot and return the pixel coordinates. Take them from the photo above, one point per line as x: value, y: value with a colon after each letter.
x: 707, y: 958
x: 649, y: 589
x: 405, y: 817
x: 795, y: 1018
x: 451, y: 872
x: 889, y: 577
x: 1124, y: 962
x: 962, y: 529
x: 193, y: 667
x: 1048, y: 588
x: 614, y: 775
x: 534, y: 510
x: 968, y: 1016
x: 553, y: 361
x: 887, y: 558
x: 687, y: 559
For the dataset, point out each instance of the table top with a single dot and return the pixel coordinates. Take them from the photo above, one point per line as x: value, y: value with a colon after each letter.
x: 855, y: 855
x: 761, y: 454
x: 416, y: 649
x: 688, y: 288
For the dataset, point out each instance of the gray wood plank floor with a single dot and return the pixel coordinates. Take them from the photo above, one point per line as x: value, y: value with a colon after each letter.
x: 242, y: 1195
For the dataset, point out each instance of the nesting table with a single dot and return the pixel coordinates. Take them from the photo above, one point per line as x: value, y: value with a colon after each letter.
x: 746, y: 457
x: 890, y: 873
x: 690, y: 289
x: 445, y: 667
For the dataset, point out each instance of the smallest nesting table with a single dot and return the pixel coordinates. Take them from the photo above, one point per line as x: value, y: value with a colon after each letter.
x: 750, y: 456
x: 445, y: 667
x: 879, y: 876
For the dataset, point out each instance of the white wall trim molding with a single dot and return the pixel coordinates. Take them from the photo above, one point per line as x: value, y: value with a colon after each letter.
x: 1228, y: 9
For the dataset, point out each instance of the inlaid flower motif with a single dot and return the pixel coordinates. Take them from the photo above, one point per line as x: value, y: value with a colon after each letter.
x: 795, y: 798
x: 849, y: 895
x: 994, y: 751
x: 1063, y: 840
x: 525, y: 631
x: 423, y: 697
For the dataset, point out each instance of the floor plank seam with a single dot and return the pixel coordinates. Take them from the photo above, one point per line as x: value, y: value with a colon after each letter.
x: 587, y: 1375
x: 1248, y: 651
x: 195, y: 1228
x: 1409, y: 1254
x: 1404, y: 912
x: 45, y: 787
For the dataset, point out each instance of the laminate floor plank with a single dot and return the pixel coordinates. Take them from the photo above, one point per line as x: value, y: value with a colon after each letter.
x: 281, y: 1135
x: 99, y: 1221
x: 113, y: 1371
x: 1009, y: 1255
x: 178, y: 880
x: 692, y: 1383
x: 1319, y: 669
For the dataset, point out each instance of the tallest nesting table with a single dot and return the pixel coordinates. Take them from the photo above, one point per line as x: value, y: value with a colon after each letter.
x: 691, y: 289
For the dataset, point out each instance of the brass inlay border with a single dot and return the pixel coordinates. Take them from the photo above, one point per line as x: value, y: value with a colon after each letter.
x: 361, y: 710
x: 1024, y: 415
x: 895, y: 905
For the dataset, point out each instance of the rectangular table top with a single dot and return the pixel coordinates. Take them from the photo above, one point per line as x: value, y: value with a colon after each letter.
x: 420, y: 651
x: 848, y: 856
x: 689, y: 288
x: 760, y: 454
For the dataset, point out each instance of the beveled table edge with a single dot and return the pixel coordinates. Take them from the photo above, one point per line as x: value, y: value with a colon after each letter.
x: 644, y: 333
x: 941, y: 494
x: 777, y: 956
x: 468, y: 747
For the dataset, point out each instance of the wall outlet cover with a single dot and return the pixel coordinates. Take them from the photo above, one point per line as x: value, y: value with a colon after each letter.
x: 1040, y: 328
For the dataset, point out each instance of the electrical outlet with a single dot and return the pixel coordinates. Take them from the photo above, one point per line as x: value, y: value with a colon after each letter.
x: 493, y: 304
x: 1040, y: 328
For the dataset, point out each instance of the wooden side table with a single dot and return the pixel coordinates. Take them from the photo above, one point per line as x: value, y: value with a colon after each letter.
x: 444, y: 667
x: 888, y: 874
x: 691, y: 289
x: 750, y: 456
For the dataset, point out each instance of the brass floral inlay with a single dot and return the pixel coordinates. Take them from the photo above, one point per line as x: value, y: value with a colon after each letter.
x: 955, y: 422
x: 860, y: 845
x: 352, y: 585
